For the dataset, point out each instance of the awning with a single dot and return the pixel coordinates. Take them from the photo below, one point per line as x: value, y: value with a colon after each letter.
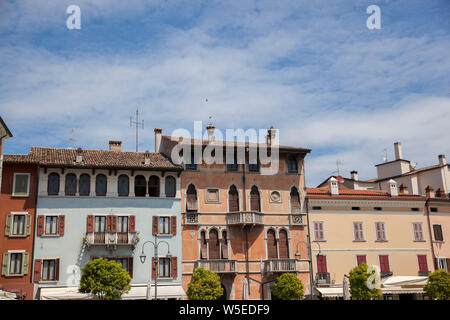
x: 331, y: 292
x: 403, y: 285
x: 135, y: 293
x: 400, y: 290
x: 5, y: 295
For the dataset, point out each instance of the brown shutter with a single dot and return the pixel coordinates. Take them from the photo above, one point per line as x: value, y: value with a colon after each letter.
x: 132, y: 224
x: 435, y: 263
x: 233, y: 199
x: 254, y: 200
x: 41, y: 225
x: 37, y: 270
x: 57, y: 269
x: 173, y: 225
x: 61, y: 223
x: 204, y: 246
x: 108, y: 223
x: 271, y: 245
x: 90, y: 224
x: 155, y: 225
x: 284, y: 245
x: 448, y: 264
x: 191, y: 198
x: 214, y: 248
x: 130, y: 266
x: 154, y: 267
x: 113, y: 223
x: 295, y: 201
x: 174, y: 268
x: 224, y: 245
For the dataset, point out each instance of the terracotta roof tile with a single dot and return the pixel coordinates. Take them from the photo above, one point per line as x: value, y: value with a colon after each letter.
x: 346, y: 193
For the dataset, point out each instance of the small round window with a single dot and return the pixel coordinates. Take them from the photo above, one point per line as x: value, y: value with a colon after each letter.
x: 275, y: 196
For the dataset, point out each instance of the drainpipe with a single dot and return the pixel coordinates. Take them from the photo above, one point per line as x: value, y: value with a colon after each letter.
x: 429, y: 232
x: 33, y: 233
x: 311, y: 276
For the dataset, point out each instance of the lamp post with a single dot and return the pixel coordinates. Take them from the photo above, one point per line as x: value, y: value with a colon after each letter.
x: 143, y: 257
x: 298, y: 255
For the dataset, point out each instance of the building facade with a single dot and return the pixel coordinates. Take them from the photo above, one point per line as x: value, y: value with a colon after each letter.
x: 387, y: 229
x: 246, y: 226
x: 4, y: 134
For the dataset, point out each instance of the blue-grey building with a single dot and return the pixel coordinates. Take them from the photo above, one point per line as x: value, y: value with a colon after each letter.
x: 107, y: 203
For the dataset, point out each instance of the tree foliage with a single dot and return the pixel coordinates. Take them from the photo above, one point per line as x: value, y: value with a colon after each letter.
x: 104, y: 279
x: 205, y: 285
x: 438, y: 285
x: 358, y: 283
x: 288, y: 287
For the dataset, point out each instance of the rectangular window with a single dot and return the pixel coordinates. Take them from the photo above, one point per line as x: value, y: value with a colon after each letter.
x: 437, y: 232
x: 18, y: 224
x: 361, y: 259
x: 15, y: 263
x: 434, y: 209
x: 51, y: 225
x: 164, y: 268
x: 356, y: 208
x: 49, y: 270
x: 122, y: 224
x: 358, y: 230
x: 423, y: 266
x: 100, y: 224
x: 317, y: 208
x: 321, y: 263
x: 21, y: 185
x: 384, y: 263
x: 253, y: 167
x: 414, y: 209
x: 442, y: 263
x: 380, y: 231
x: 418, y: 232
x: 378, y: 209
x: 123, y: 262
x: 164, y: 225
x: 318, y: 231
x: 212, y: 195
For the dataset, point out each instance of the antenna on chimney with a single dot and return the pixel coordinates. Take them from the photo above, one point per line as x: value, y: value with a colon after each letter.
x: 137, y: 124
x: 385, y: 159
x: 338, y: 162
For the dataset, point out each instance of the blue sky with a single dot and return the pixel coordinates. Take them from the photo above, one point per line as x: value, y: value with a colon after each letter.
x: 310, y: 68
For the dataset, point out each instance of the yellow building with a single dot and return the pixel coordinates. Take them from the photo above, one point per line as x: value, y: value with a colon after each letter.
x: 382, y: 228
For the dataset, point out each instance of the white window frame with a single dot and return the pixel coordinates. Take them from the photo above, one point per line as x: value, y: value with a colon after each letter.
x: 9, y: 263
x: 159, y: 267
x: 14, y: 184
x: 170, y: 226
x: 24, y: 226
x: 444, y: 263
x: 42, y: 269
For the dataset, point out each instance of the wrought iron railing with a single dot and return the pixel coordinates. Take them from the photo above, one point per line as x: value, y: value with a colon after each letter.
x: 217, y: 265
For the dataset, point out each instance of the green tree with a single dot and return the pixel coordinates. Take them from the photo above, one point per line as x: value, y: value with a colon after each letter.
x: 288, y: 287
x: 438, y: 285
x: 358, y: 283
x: 205, y: 285
x: 104, y: 279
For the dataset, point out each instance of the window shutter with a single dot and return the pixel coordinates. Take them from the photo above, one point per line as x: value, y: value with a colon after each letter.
x: 448, y: 264
x: 321, y: 264
x: 108, y: 223
x: 254, y: 200
x: 154, y: 267
x: 233, y: 199
x: 173, y: 225
x: 436, y: 266
x: 423, y: 266
x: 284, y: 245
x: 174, y: 268
x: 5, y: 264
x: 57, y: 269
x: 204, y: 246
x: 155, y: 225
x: 113, y: 223
x: 295, y: 201
x: 25, y: 263
x: 191, y: 198
x: 316, y: 231
x: 90, y: 224
x: 321, y: 237
x: 8, y: 225
x: 441, y: 237
x: 41, y: 225
x: 356, y: 230
x: 224, y: 248
x: 37, y: 270
x: 28, y: 224
x: 214, y: 249
x: 130, y: 266
x: 132, y: 225
x: 271, y: 245
x: 361, y: 259
x: 61, y: 223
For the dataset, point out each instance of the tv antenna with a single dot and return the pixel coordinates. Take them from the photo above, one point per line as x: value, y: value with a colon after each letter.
x: 385, y: 157
x: 71, y: 139
x: 137, y: 124
x: 338, y: 162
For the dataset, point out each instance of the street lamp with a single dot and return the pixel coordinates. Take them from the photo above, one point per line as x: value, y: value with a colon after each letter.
x: 298, y: 255
x: 143, y: 257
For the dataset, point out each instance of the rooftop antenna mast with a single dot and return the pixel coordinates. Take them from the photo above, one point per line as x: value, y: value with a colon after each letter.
x: 385, y: 157
x: 137, y: 124
x: 338, y: 162
x: 71, y: 139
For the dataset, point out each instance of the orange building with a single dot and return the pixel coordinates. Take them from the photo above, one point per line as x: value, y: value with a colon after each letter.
x: 239, y: 222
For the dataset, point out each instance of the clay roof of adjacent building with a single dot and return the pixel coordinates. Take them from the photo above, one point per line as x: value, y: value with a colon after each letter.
x: 93, y: 159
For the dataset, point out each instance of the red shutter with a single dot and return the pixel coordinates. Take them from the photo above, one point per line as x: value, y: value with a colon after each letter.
x: 41, y: 225
x: 361, y: 259
x: 384, y: 263
x: 321, y: 263
x: 423, y: 266
x: 174, y: 268
x: 132, y: 225
x: 113, y: 223
x: 173, y: 225
x: 108, y: 223
x: 155, y: 225
x: 130, y: 266
x: 90, y: 224
x: 154, y: 267
x: 61, y: 222
x: 57, y: 269
x: 37, y: 270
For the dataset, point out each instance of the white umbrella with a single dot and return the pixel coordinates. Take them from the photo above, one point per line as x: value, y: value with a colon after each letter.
x: 345, y: 288
x: 149, y: 291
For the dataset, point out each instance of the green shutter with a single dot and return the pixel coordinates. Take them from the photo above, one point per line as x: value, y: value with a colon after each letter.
x: 25, y: 263
x: 28, y: 224
x: 5, y: 264
x: 8, y: 225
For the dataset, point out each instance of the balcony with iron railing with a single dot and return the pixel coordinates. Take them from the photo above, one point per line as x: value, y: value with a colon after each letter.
x: 280, y: 265
x: 297, y: 219
x: 111, y: 239
x: 244, y: 218
x: 217, y: 265
x: 191, y: 218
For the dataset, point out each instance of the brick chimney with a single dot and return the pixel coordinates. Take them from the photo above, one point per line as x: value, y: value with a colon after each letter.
x: 393, y: 191
x: 403, y: 188
x: 158, y: 133
x: 442, y: 160
x: 398, y: 150
x: 333, y: 185
x: 79, y: 158
x: 270, y: 138
x: 210, y: 128
x: 440, y: 193
x: 429, y: 192
x: 354, y: 175
x: 115, y: 145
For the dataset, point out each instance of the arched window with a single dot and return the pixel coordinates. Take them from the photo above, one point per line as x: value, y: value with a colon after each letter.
x: 233, y: 199
x: 292, y: 164
x: 53, y: 184
x: 100, y: 185
x: 140, y: 186
x: 191, y: 199
x: 123, y: 186
x: 85, y: 185
x: 170, y: 186
x: 214, y: 246
x: 295, y: 201
x: 71, y: 184
x: 272, y: 251
x: 255, y: 200
x: 283, y: 245
x: 224, y: 246
x: 203, y: 246
x: 153, y: 186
